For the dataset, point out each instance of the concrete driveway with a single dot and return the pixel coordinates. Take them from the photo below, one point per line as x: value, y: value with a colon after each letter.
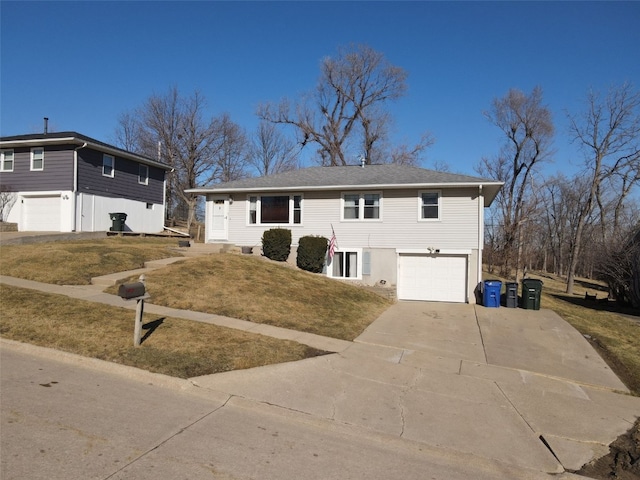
x: 518, y: 386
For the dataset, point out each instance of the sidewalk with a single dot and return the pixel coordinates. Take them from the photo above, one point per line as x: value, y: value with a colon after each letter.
x: 94, y: 293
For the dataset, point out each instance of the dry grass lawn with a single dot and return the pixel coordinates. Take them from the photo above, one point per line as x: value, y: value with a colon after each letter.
x: 76, y: 262
x: 234, y: 285
x: 175, y: 347
x: 261, y: 291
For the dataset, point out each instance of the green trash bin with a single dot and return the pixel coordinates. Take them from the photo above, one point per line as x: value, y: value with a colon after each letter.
x: 117, y: 221
x: 531, y: 293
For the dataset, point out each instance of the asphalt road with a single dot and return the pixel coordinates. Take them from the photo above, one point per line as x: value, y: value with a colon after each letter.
x: 66, y: 421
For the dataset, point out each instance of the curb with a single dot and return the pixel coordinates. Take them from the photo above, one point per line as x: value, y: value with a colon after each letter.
x: 136, y: 374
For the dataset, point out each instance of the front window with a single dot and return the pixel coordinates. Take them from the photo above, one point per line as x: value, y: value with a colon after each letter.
x: 6, y: 161
x: 275, y: 209
x: 361, y: 206
x: 37, y: 158
x: 346, y: 264
x: 297, y: 209
x: 143, y: 174
x: 108, y: 162
x: 351, y: 207
x: 429, y: 205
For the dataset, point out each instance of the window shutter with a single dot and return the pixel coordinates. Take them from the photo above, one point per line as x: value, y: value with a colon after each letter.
x: 366, y: 263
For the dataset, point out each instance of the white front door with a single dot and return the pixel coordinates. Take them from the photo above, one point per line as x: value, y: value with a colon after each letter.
x: 220, y: 220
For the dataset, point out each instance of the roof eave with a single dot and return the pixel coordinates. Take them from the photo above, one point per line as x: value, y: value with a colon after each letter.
x: 80, y: 142
x: 492, y: 187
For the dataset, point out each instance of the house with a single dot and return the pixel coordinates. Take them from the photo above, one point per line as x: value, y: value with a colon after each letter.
x: 68, y: 182
x: 420, y: 230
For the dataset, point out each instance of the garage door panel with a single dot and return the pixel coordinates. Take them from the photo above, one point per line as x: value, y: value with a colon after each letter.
x: 41, y: 214
x: 432, y: 278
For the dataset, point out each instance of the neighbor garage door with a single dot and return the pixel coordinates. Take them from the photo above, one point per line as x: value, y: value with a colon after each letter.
x: 440, y: 278
x: 41, y: 214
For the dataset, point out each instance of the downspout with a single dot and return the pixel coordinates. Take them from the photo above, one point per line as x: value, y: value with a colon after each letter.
x: 164, y: 193
x: 480, y: 232
x: 75, y: 186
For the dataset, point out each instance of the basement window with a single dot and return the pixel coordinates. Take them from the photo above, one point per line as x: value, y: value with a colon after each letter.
x: 346, y: 264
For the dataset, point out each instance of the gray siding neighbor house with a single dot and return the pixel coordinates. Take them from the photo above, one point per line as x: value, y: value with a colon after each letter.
x: 419, y: 230
x: 68, y: 182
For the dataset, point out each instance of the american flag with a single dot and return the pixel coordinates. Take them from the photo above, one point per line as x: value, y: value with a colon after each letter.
x: 332, y: 245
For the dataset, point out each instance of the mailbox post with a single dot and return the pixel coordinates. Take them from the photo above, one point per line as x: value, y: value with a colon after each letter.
x: 135, y: 291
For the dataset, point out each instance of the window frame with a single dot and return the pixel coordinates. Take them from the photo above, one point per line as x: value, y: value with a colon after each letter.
x: 143, y: 180
x: 256, y: 218
x: 421, y: 218
x: 33, y: 159
x: 344, y: 251
x: 4, y: 161
x: 104, y: 164
x: 361, y: 206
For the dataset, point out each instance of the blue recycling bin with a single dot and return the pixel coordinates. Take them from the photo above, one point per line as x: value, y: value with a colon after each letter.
x: 491, y: 293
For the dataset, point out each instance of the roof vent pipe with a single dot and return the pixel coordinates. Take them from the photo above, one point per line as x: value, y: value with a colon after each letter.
x: 362, y: 161
x: 46, y: 125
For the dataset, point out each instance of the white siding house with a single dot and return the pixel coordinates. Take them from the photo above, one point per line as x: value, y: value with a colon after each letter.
x: 417, y: 229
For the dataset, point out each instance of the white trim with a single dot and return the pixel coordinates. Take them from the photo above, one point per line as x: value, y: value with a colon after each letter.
x: 432, y: 251
x: 358, y: 252
x: 32, y: 168
x: 290, y: 222
x: 145, y: 180
x: 377, y: 186
x: 223, y: 233
x: 480, y: 233
x: 3, y: 160
x: 439, y: 205
x: 86, y: 142
x: 361, y: 206
x: 113, y: 165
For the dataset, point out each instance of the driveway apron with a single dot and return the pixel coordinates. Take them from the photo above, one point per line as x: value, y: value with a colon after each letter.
x: 516, y: 386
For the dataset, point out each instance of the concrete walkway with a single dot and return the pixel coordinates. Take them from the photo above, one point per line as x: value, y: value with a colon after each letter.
x: 518, y: 387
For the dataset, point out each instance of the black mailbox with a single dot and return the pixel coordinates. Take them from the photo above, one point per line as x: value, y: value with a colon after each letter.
x: 131, y: 290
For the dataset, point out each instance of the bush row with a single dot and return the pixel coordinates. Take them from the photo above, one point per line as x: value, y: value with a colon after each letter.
x: 276, y: 245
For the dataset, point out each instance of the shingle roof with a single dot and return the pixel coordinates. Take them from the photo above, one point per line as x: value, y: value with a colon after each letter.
x: 386, y: 176
x: 77, y: 138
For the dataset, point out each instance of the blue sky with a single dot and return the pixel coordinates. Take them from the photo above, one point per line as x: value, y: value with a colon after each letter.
x: 83, y: 63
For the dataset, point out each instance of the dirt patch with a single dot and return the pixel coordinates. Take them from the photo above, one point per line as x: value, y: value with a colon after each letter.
x: 623, y: 460
x: 629, y: 378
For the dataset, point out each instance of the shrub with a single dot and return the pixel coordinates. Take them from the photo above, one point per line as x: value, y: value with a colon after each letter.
x: 276, y: 244
x: 311, y: 253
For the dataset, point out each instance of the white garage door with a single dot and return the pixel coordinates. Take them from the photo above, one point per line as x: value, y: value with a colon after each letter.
x: 41, y: 214
x: 438, y: 278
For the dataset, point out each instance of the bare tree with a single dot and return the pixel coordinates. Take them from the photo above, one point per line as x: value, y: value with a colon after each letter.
x: 128, y: 135
x: 528, y: 128
x: 405, y: 155
x: 619, y: 265
x: 345, y: 115
x: 173, y: 129
x: 7, y: 200
x: 271, y: 152
x: 608, y: 133
x: 231, y: 153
